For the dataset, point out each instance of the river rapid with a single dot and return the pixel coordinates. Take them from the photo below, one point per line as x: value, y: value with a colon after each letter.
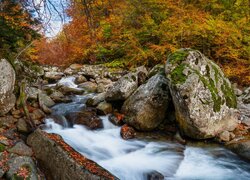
x: 138, y: 158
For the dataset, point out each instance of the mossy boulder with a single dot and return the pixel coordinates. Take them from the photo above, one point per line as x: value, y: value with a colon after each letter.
x: 204, y: 99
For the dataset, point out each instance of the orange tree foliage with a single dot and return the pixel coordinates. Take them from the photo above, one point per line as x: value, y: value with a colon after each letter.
x: 16, y: 27
x: 135, y: 32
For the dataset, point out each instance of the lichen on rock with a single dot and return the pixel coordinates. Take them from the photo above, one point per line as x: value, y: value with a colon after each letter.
x: 203, y: 97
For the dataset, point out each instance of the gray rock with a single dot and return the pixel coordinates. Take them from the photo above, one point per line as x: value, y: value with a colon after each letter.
x: 7, y: 83
x: 80, y: 79
x: 7, y: 121
x: 21, y: 149
x: 203, y: 97
x: 159, y: 68
x: 246, y: 96
x: 124, y: 87
x: 32, y: 92
x: 95, y: 100
x: 146, y: 108
x: 19, y: 162
x: 93, y: 71
x: 37, y: 114
x: 88, y: 118
x: 7, y: 78
x: 244, y: 110
x: 4, y: 163
x: 59, y: 97
x: 104, y: 108
x: 45, y: 100
x: 88, y: 86
x: 69, y: 90
x: 57, y: 159
x: 103, y: 85
x: 224, y: 136
x: 7, y: 104
x: 22, y: 126
x: 53, y: 75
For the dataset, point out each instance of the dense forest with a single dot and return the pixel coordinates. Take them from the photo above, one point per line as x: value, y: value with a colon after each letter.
x: 132, y: 32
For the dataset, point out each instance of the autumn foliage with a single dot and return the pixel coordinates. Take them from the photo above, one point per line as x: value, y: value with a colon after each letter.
x: 135, y: 32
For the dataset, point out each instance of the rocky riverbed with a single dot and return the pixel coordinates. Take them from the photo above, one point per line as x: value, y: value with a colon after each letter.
x: 141, y: 124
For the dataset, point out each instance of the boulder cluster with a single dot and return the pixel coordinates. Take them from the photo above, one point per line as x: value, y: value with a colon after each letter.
x: 188, y: 97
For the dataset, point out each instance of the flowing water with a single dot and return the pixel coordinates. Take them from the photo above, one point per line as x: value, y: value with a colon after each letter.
x: 135, y: 159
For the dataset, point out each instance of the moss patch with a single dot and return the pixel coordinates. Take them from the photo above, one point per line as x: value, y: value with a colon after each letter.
x: 177, y: 75
x: 229, y: 95
x: 178, y: 56
x: 213, y: 90
x: 2, y: 147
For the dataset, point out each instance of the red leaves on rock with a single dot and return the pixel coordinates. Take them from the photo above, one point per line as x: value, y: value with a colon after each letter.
x: 127, y: 132
x: 80, y: 159
x: 119, y: 116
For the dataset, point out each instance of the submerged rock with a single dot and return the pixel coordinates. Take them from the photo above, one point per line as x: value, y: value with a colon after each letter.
x: 7, y: 83
x: 203, y: 97
x: 127, y: 132
x: 154, y: 175
x: 146, y: 108
x: 116, y: 119
x: 87, y: 118
x: 242, y: 148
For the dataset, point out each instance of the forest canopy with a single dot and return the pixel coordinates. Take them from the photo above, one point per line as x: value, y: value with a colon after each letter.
x: 135, y: 32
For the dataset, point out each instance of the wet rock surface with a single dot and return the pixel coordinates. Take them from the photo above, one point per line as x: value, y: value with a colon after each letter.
x: 86, y: 117
x: 127, y: 132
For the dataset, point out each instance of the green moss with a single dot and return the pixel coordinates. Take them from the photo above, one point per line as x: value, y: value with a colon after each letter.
x: 213, y: 90
x: 178, y: 56
x: 177, y: 75
x: 217, y: 73
x: 229, y: 95
x: 2, y: 147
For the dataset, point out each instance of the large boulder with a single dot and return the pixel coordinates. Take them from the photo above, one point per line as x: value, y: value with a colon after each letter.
x: 146, y: 108
x: 125, y: 86
x: 7, y: 83
x: 60, y: 161
x: 203, y: 97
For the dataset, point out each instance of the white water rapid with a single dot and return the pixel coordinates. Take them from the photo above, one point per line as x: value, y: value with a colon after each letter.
x: 136, y: 159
